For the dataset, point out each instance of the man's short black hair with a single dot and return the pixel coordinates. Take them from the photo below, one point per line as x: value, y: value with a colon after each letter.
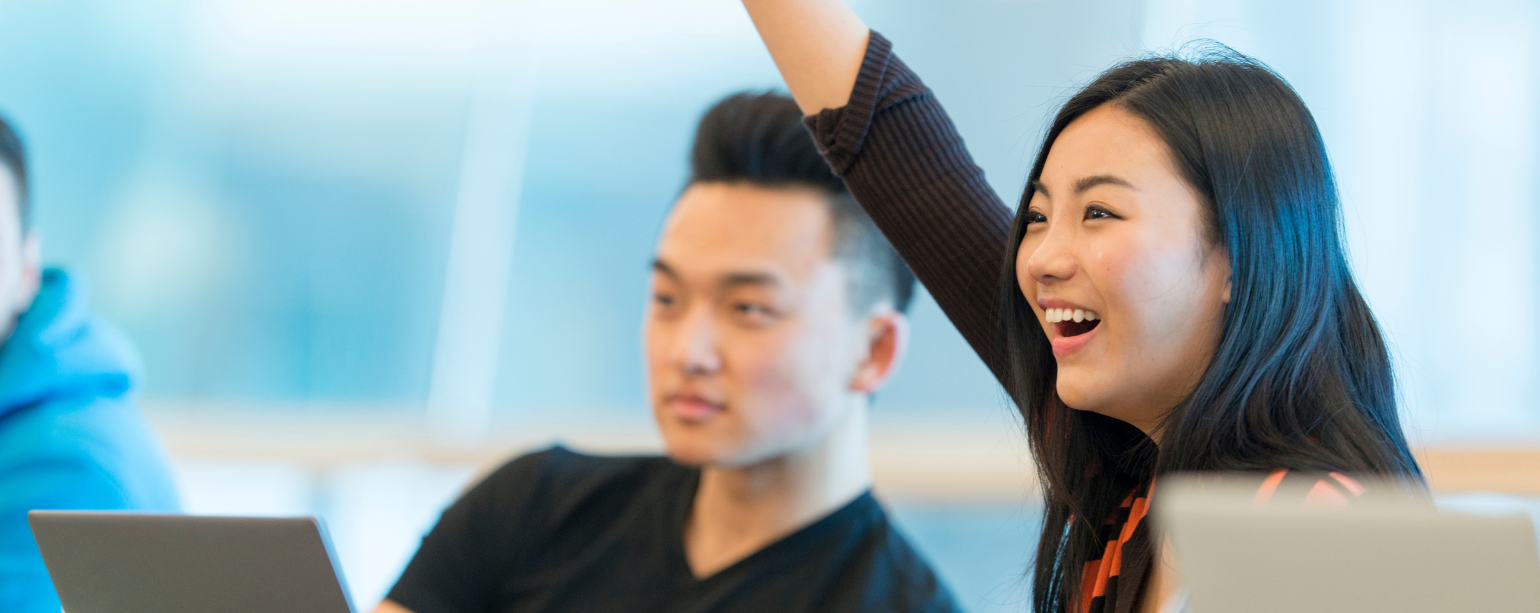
x: 14, y: 156
x: 758, y: 138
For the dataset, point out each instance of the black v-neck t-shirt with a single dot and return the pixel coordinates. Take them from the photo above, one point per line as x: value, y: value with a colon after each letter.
x: 557, y: 531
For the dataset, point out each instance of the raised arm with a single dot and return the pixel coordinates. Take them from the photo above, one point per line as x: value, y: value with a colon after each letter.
x: 816, y: 44
x: 883, y: 131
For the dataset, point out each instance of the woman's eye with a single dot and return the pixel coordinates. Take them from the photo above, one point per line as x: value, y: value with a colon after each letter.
x: 663, y: 300
x: 1097, y: 211
x: 1036, y: 217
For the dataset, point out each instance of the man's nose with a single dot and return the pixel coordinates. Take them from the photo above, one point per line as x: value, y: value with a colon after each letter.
x: 695, y: 346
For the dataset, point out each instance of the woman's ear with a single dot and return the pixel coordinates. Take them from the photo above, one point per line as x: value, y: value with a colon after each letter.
x: 886, y: 341
x: 1222, y: 262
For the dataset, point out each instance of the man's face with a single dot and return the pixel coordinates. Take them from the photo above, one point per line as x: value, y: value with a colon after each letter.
x: 18, y: 256
x: 751, y: 346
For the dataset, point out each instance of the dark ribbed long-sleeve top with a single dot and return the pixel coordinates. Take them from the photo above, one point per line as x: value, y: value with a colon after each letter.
x: 904, y: 161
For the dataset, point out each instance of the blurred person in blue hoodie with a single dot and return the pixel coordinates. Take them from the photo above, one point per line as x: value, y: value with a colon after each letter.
x: 70, y: 435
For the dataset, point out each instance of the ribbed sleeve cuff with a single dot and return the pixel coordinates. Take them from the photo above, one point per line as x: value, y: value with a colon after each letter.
x: 840, y: 132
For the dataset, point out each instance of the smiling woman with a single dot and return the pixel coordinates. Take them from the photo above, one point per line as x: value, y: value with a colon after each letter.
x: 1110, y: 226
x: 1173, y: 294
x: 1190, y: 202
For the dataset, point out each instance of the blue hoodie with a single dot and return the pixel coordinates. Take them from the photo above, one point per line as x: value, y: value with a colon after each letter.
x: 70, y: 436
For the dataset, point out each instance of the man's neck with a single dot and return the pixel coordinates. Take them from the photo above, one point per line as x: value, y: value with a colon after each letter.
x: 738, y: 511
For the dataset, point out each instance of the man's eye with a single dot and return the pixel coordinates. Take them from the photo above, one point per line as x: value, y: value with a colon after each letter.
x: 663, y: 300
x: 753, y: 313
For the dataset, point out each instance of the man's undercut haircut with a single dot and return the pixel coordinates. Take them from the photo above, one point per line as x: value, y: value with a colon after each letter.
x: 758, y: 138
x: 14, y: 157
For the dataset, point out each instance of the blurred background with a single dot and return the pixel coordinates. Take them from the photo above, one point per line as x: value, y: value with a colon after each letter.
x: 368, y: 249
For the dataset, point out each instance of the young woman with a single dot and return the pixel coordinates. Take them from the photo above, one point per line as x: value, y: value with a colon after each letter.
x: 1173, y: 294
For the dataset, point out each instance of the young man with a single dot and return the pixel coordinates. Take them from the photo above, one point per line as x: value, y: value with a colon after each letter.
x: 777, y: 311
x: 70, y: 438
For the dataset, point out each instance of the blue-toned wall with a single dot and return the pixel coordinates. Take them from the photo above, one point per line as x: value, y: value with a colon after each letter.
x: 263, y: 191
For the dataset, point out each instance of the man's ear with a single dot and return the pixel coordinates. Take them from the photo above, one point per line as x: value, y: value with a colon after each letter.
x: 31, y: 268
x: 886, y: 341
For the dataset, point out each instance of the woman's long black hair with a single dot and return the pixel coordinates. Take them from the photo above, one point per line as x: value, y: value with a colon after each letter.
x: 1301, y: 378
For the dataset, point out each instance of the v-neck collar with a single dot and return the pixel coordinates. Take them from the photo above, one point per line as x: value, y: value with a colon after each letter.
x: 685, y: 502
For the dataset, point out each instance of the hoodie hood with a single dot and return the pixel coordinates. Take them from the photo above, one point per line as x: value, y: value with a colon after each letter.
x: 58, y: 350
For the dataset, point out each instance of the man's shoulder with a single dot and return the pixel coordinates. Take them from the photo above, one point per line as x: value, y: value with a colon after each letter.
x: 901, y: 578
x: 877, y: 568
x: 99, y: 451
x: 110, y: 429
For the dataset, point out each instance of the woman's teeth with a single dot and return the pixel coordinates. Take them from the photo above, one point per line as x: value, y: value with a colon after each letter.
x: 1076, y: 315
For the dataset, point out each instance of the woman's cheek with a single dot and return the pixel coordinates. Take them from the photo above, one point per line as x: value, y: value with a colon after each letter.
x: 1028, y: 285
x: 1118, y: 279
x: 1023, y: 274
x: 1139, y: 287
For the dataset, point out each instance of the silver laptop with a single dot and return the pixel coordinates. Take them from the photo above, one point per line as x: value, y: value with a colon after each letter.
x: 141, y: 563
x: 1373, y: 555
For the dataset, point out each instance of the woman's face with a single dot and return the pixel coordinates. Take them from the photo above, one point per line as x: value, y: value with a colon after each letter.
x: 1115, y: 239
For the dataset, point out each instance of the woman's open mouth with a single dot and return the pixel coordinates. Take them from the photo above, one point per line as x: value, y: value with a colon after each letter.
x: 1072, y: 322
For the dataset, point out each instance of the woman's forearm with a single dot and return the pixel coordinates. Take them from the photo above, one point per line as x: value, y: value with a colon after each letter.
x: 817, y: 45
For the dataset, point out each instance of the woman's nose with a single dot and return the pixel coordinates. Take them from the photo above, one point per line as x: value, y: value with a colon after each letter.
x: 1050, y: 259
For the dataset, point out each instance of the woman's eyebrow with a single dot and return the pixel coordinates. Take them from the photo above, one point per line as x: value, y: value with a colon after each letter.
x: 1083, y: 184
x: 1094, y: 180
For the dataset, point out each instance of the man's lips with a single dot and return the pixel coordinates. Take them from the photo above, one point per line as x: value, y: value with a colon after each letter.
x: 690, y: 407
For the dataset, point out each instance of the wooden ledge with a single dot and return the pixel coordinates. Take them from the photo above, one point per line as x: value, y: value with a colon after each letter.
x: 980, y: 460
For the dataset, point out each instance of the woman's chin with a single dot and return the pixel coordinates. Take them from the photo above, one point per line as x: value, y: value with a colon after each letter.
x: 1081, y: 392
x: 1095, y: 399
